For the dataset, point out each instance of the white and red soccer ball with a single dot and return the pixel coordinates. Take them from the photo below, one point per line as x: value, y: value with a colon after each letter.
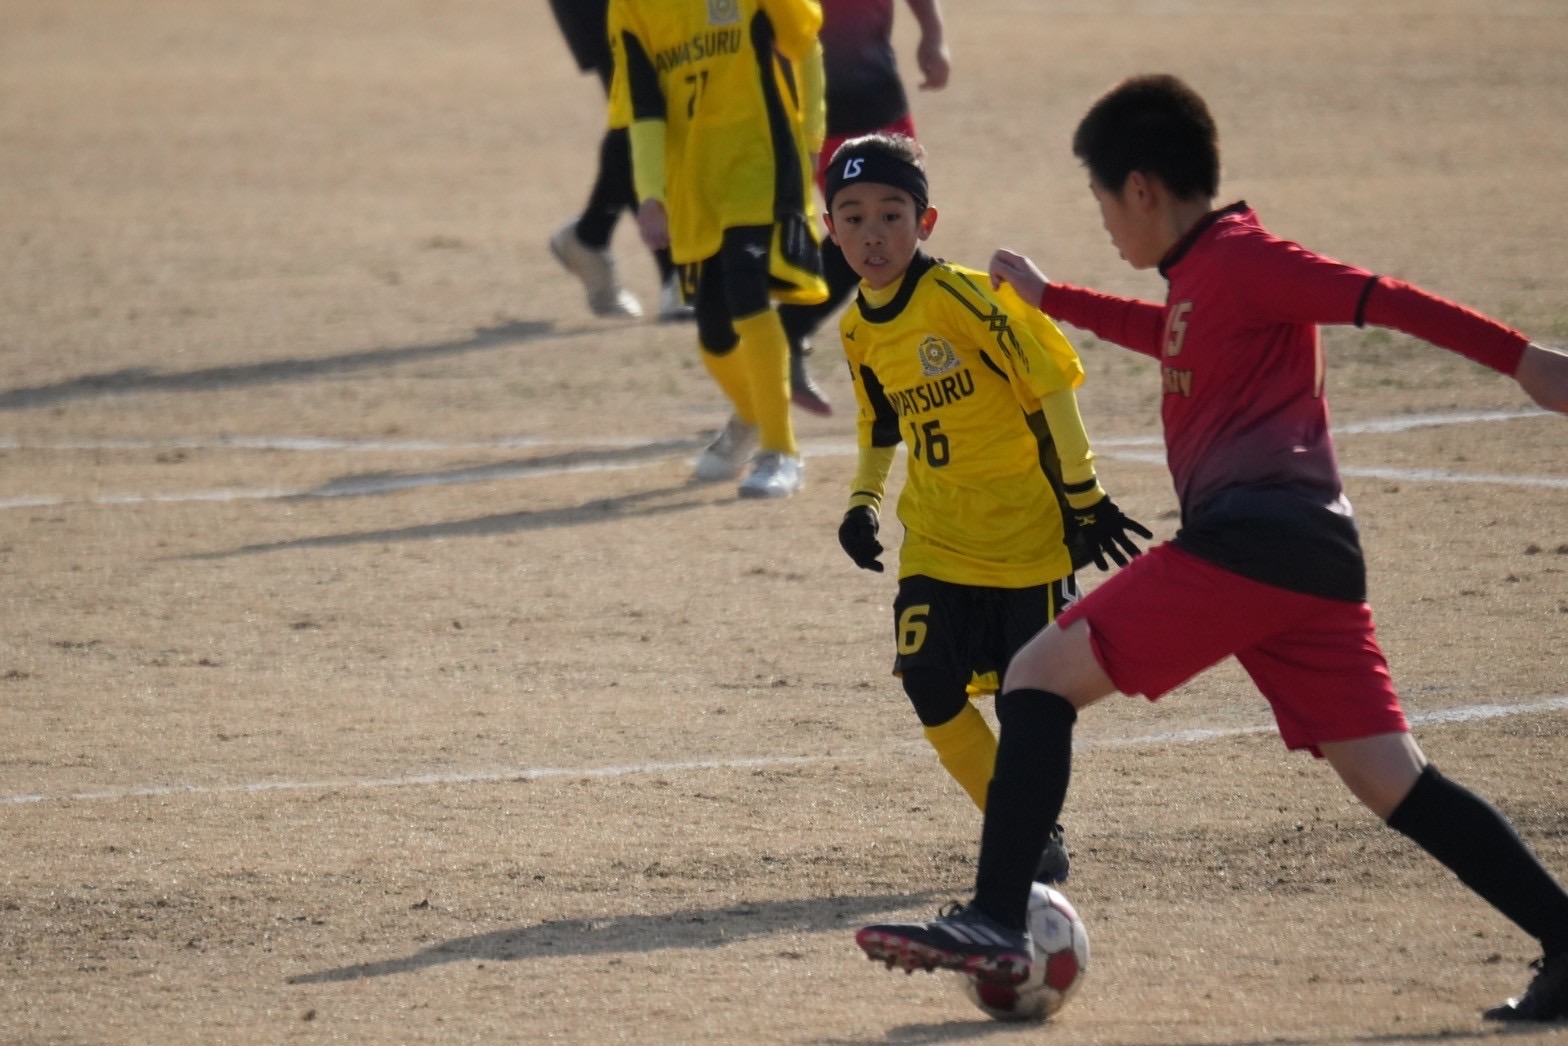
x: 1061, y: 958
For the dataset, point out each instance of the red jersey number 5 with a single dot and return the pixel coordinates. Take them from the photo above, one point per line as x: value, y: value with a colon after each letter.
x: 1176, y: 329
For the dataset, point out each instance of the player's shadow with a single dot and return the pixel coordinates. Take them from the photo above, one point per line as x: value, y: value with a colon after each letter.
x: 147, y: 379
x: 370, y: 484
x: 643, y: 504
x: 721, y: 927
x: 700, y: 928
x: 969, y: 1030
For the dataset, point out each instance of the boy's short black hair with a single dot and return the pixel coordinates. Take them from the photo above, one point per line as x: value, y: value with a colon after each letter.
x: 895, y: 159
x: 1155, y: 124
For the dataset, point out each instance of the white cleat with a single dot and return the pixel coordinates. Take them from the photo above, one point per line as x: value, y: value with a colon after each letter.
x: 774, y: 475
x: 672, y: 303
x: 727, y: 455
x: 596, y: 270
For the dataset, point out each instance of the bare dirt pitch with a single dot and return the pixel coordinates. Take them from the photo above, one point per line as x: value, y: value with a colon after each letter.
x: 371, y: 673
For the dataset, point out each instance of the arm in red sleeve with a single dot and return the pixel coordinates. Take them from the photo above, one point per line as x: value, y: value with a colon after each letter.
x: 1285, y: 281
x: 1125, y: 321
x: 1393, y: 303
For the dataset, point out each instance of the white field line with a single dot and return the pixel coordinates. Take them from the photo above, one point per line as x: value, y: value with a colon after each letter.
x: 312, y: 443
x: 1463, y: 714
x: 1115, y: 449
x: 338, y: 489
x: 1374, y: 472
x: 1446, y: 476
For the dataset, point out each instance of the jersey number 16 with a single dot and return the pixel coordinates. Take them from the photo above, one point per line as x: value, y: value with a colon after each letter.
x: 927, y: 443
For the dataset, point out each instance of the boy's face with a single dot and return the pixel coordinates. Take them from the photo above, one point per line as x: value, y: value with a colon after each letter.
x: 1133, y: 225
x: 877, y: 229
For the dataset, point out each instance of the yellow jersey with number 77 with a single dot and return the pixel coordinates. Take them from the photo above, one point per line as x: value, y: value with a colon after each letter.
x: 725, y: 79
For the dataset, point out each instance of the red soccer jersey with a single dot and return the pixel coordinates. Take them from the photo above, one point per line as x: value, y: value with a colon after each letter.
x: 864, y: 92
x: 1242, y: 369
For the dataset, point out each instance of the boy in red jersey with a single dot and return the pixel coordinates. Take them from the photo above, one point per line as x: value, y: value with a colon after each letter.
x: 1267, y: 544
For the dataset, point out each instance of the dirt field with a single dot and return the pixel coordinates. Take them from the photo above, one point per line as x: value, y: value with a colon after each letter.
x: 371, y: 673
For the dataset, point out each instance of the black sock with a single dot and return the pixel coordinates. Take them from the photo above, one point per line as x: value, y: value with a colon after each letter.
x: 1476, y: 842
x: 1033, y: 765
x: 661, y: 258
x: 612, y: 190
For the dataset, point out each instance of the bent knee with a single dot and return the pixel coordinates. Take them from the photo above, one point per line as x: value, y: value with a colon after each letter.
x: 1062, y: 661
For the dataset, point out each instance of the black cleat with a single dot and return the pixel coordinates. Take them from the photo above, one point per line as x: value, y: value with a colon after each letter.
x: 1054, y: 862
x: 803, y: 391
x: 963, y: 938
x: 1545, y: 1000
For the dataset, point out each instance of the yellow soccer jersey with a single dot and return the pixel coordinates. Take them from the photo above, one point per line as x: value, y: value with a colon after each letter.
x: 953, y: 373
x: 724, y: 78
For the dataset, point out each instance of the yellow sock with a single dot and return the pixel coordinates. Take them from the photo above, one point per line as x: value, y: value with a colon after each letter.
x: 967, y: 748
x: 730, y: 373
x: 765, y: 350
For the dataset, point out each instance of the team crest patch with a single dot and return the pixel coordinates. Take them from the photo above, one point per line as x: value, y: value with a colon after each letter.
x: 723, y: 12
x: 937, y: 356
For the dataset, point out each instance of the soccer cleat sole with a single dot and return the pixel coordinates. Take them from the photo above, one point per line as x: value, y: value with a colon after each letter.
x: 901, y: 953
x: 804, y: 392
x: 812, y: 402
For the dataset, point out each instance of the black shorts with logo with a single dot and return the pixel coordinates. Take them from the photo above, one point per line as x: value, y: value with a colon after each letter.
x: 968, y: 631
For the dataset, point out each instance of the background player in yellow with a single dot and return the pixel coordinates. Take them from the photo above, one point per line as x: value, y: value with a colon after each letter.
x: 724, y: 101
x: 582, y: 245
x: 1000, y: 482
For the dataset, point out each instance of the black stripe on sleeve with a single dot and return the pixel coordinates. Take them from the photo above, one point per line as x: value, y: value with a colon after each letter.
x: 1361, y: 303
x: 647, y: 96
x: 789, y: 193
x: 884, y: 430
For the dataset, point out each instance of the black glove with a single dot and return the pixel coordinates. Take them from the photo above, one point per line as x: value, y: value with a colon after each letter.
x: 858, y: 535
x: 1102, y: 530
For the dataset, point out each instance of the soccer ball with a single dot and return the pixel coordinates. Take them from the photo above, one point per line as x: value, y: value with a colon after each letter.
x: 1061, y: 957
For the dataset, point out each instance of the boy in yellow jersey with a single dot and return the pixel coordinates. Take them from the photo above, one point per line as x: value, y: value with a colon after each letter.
x: 1000, y: 484
x: 724, y: 102
x: 582, y: 245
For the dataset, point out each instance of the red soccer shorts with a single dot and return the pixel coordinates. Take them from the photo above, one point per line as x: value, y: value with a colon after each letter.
x: 1168, y: 615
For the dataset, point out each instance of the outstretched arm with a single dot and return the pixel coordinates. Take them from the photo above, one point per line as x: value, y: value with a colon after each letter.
x: 1138, y: 325
x: 1015, y: 269
x: 1543, y: 374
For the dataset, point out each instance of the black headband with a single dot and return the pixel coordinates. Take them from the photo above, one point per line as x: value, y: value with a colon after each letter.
x: 877, y: 167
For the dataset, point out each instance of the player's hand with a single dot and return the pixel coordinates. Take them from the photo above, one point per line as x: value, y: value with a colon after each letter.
x: 1104, y: 529
x: 858, y: 536
x: 1026, y: 278
x: 935, y: 63
x: 653, y: 224
x: 1543, y: 373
